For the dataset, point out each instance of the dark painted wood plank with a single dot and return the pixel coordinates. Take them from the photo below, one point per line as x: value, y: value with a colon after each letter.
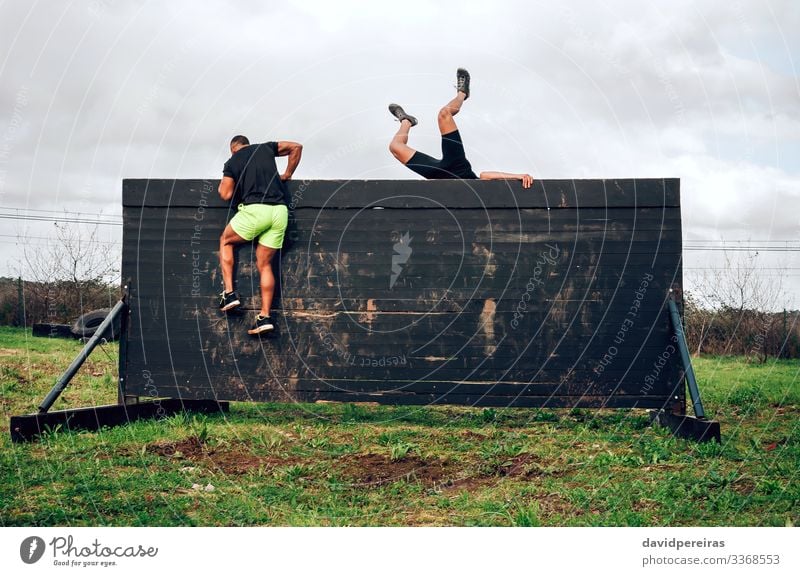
x: 332, y: 194
x: 311, y: 383
x: 286, y: 394
x: 423, y: 226
x: 608, y: 216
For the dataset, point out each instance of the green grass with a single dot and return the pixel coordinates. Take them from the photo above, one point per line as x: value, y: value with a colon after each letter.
x: 343, y: 464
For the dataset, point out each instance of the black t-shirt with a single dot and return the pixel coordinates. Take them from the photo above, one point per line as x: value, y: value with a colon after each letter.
x: 256, y: 175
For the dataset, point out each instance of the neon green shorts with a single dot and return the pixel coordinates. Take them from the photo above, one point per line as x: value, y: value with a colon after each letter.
x: 265, y: 221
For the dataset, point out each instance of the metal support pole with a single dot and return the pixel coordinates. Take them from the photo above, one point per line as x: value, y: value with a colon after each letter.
x: 53, y: 395
x: 694, y: 391
x: 122, y: 370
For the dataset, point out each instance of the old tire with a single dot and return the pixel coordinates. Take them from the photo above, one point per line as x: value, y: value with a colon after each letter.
x: 87, y: 324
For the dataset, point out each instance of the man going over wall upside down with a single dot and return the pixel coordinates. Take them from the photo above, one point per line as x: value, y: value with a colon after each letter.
x: 454, y: 163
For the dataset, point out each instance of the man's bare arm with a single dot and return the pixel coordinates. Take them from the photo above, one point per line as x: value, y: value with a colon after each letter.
x: 226, y: 187
x: 294, y: 150
x: 527, y: 180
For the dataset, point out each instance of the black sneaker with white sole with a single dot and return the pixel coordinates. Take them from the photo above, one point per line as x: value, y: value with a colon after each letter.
x: 462, y: 82
x: 398, y: 112
x: 228, y: 301
x: 263, y: 324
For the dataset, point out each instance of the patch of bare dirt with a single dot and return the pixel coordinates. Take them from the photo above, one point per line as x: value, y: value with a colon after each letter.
x: 377, y: 470
x: 227, y: 459
x: 190, y: 447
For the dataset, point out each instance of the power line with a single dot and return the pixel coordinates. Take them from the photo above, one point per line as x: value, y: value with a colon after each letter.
x: 722, y: 240
x: 759, y: 268
x: 57, y: 219
x: 17, y: 209
x: 742, y: 249
x: 744, y: 244
x: 740, y: 240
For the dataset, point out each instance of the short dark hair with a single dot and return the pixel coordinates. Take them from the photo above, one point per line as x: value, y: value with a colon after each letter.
x: 239, y: 139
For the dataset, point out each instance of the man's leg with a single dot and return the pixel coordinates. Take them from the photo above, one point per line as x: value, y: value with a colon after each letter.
x: 446, y: 122
x: 264, y: 256
x: 227, y: 241
x: 399, y: 145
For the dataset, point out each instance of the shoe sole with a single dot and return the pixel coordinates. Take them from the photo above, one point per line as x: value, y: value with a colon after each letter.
x: 403, y: 115
x: 260, y: 329
x: 462, y: 71
x: 230, y: 306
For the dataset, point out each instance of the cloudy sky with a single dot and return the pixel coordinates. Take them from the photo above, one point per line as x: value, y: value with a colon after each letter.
x: 95, y: 91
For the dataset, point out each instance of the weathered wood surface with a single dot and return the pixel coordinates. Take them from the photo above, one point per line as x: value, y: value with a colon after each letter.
x: 414, y: 292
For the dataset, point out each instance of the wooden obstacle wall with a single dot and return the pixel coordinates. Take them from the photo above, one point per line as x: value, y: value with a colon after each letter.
x: 414, y: 292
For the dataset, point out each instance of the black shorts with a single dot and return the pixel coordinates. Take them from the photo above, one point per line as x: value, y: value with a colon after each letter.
x: 454, y: 163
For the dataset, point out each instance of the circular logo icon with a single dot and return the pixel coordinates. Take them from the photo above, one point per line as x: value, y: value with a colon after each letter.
x: 31, y: 550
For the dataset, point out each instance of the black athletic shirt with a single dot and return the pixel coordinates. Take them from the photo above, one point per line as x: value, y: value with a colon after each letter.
x: 256, y: 175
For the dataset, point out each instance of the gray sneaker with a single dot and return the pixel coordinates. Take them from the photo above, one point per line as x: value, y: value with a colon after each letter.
x: 462, y: 82
x: 398, y: 112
